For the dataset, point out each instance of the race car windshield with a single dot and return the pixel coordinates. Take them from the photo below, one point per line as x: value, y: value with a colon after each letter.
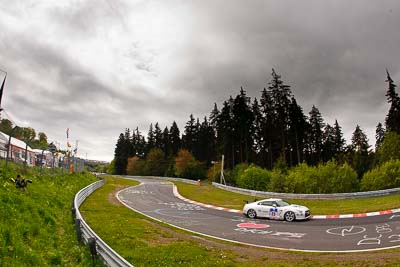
x: 282, y: 203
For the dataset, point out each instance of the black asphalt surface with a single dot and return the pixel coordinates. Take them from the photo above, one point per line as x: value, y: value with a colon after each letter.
x: 156, y: 199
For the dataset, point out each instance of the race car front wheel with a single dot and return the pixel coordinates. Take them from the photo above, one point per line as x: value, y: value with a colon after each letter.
x: 252, y: 214
x: 290, y: 216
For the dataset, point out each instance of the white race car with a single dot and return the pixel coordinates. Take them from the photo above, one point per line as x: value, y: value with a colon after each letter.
x: 275, y: 208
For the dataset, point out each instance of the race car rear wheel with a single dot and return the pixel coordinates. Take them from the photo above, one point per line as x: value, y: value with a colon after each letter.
x: 290, y: 216
x: 251, y: 213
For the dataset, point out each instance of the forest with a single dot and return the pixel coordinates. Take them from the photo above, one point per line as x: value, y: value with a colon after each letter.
x: 268, y: 144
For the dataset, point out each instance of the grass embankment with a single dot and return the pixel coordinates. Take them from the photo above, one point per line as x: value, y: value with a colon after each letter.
x: 36, y: 226
x: 144, y: 242
x: 206, y: 193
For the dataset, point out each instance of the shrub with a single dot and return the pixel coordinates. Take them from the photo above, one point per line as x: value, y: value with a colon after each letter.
x: 255, y: 178
x: 382, y: 177
x: 186, y: 166
x: 322, y: 179
x: 135, y: 166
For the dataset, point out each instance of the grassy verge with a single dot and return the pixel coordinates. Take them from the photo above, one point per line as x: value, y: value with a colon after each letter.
x: 36, y: 226
x: 144, y: 242
x: 209, y: 194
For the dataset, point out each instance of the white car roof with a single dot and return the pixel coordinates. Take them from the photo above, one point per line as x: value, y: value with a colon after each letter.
x: 270, y: 199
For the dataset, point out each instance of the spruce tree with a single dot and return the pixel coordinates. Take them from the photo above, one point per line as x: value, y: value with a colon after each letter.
x: 360, y: 153
x: 393, y: 117
x: 158, y: 136
x: 338, y: 139
x: 175, y: 138
x: 379, y: 136
x: 315, y: 136
x: 242, y: 119
x: 281, y: 95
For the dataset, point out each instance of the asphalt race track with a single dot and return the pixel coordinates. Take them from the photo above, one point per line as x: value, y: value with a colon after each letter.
x: 155, y: 199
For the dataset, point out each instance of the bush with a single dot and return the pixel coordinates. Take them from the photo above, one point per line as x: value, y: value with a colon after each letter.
x: 135, y: 166
x: 382, y: 177
x: 255, y: 178
x: 323, y: 179
x: 186, y: 166
x: 214, y: 172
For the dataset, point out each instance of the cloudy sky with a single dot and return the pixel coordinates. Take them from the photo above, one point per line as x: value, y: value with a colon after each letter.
x: 100, y: 66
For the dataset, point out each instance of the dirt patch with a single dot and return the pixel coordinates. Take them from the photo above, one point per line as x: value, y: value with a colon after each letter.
x: 112, y: 198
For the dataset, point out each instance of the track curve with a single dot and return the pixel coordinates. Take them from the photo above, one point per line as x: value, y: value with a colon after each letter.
x: 156, y: 200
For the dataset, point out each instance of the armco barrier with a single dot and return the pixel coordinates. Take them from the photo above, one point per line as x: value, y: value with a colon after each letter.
x: 88, y: 236
x: 376, y: 193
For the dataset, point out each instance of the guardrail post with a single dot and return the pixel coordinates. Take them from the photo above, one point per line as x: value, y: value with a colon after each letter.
x: 73, y: 210
x: 78, y: 229
x: 92, y: 247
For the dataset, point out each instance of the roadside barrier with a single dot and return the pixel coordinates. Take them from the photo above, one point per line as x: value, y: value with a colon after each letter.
x: 255, y: 193
x: 84, y: 233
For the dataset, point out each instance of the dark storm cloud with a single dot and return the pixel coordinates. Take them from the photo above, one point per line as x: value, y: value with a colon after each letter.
x: 99, y: 67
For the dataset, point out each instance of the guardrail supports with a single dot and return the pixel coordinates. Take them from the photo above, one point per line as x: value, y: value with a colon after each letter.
x: 78, y: 229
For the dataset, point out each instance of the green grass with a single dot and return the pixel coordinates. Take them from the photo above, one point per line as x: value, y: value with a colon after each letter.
x: 206, y: 193
x: 36, y: 226
x: 144, y: 242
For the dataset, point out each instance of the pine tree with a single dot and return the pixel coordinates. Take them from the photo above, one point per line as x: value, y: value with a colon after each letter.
x: 281, y: 95
x: 175, y: 138
x: 315, y: 138
x: 268, y: 129
x: 188, y: 137
x: 214, y: 117
x: 150, y: 139
x: 166, y: 143
x: 158, y: 136
x: 393, y: 117
x: 360, y: 154
x: 120, y: 159
x: 259, y: 155
x: 379, y: 135
x: 225, y: 134
x: 242, y: 119
x: 297, y: 128
x: 338, y: 139
x: 328, y: 147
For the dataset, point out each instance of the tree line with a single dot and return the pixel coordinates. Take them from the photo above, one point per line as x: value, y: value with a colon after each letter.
x: 266, y: 132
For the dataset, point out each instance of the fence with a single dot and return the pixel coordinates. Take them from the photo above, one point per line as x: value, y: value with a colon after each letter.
x: 96, y: 245
x: 376, y: 193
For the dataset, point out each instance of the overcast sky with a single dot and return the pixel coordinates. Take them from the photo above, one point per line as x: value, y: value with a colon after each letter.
x: 98, y: 67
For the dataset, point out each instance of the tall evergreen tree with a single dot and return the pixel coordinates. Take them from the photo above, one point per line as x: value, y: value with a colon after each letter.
x: 139, y: 143
x: 120, y: 159
x: 393, y: 117
x: 360, y: 155
x: 166, y: 143
x: 328, y: 147
x: 175, y: 138
x: 150, y: 139
x: 379, y: 136
x: 188, y: 137
x: 213, y: 118
x: 268, y: 129
x: 242, y: 120
x: 158, y: 136
x: 281, y: 95
x: 338, y: 139
x: 297, y: 132
x: 315, y: 135
x: 259, y: 155
x: 225, y: 134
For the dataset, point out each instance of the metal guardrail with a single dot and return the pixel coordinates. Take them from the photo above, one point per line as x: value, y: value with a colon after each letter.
x: 88, y: 236
x: 161, y: 178
x: 376, y: 193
